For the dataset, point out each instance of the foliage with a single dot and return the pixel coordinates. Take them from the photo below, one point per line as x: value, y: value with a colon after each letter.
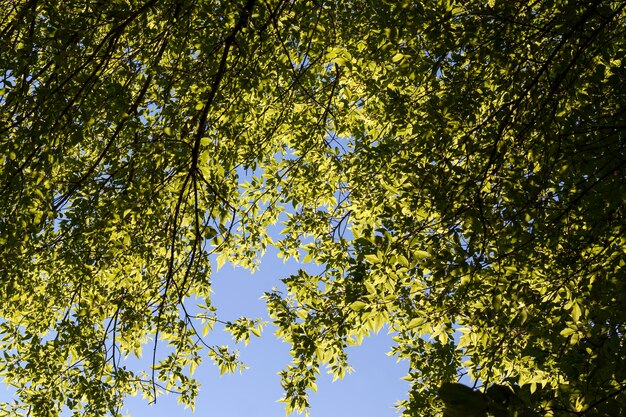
x: 457, y: 168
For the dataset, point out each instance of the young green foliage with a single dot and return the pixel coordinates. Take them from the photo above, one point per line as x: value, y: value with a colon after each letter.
x: 456, y: 168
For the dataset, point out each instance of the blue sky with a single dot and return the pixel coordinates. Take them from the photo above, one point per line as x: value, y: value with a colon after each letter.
x: 370, y: 391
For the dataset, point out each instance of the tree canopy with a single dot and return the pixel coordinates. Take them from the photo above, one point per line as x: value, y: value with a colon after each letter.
x: 456, y: 169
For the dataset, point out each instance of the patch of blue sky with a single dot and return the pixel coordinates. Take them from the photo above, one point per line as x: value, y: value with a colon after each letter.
x: 370, y: 391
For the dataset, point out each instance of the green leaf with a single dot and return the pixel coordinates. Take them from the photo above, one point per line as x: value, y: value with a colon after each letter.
x: 397, y: 57
x: 358, y: 305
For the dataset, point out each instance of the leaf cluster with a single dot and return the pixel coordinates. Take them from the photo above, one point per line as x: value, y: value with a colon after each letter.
x: 455, y: 168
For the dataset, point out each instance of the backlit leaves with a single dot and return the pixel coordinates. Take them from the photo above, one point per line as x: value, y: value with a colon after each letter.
x: 456, y: 170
